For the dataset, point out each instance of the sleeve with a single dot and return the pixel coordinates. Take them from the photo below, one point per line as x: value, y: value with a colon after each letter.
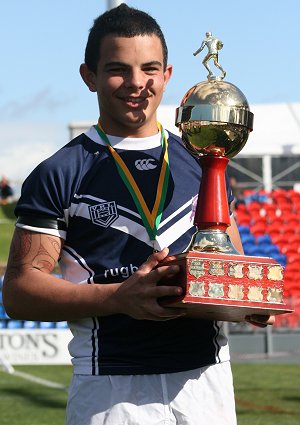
x: 46, y: 195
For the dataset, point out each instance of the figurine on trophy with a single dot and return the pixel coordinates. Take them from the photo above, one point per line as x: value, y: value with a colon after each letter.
x: 219, y: 283
x: 213, y: 45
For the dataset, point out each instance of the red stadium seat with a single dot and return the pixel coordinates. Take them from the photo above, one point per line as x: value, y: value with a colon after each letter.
x: 278, y: 238
x: 295, y: 239
x: 289, y: 230
x: 279, y: 194
x: 258, y: 229
x: 293, y: 195
x: 277, y: 221
x: 284, y: 205
x: 253, y: 206
x: 296, y: 207
x: 291, y: 218
x: 242, y: 218
x: 274, y: 230
x: 241, y: 207
x: 290, y: 250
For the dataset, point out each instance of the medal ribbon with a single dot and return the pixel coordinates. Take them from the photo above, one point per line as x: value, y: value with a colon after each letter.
x: 152, y: 219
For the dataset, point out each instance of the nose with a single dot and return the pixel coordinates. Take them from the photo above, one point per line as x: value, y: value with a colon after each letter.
x: 135, y: 79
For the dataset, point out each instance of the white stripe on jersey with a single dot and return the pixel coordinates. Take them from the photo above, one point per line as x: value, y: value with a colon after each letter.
x: 73, y: 266
x: 131, y: 227
x: 54, y: 232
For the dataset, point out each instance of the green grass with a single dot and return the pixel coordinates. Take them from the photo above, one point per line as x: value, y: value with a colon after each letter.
x: 27, y: 403
x: 7, y: 225
x: 266, y: 394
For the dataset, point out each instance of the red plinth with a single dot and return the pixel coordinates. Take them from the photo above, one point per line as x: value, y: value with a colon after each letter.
x: 227, y: 287
x: 219, y: 286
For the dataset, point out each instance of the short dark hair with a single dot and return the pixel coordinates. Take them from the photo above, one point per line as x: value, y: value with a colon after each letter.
x: 123, y: 21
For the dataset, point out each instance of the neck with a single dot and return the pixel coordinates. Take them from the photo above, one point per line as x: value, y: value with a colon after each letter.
x: 135, y: 130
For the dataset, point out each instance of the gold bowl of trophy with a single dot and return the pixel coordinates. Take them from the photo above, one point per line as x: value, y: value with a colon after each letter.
x: 215, y: 119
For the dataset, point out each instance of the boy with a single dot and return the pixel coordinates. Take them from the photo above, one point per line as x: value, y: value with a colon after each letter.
x: 93, y: 207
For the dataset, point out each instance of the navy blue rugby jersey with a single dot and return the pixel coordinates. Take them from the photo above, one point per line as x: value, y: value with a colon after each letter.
x: 78, y: 195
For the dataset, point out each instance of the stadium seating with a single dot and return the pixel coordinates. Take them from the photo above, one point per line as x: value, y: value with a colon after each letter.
x: 47, y: 325
x: 275, y: 231
x: 2, y: 313
x: 14, y: 324
x: 62, y: 325
x: 28, y: 324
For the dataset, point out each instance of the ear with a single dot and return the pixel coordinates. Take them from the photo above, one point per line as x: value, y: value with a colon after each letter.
x: 88, y: 77
x: 167, y: 74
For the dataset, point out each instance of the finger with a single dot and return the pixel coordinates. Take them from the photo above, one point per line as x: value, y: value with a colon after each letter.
x: 260, y: 320
x: 166, y: 291
x: 164, y: 279
x: 154, y: 259
x: 167, y: 313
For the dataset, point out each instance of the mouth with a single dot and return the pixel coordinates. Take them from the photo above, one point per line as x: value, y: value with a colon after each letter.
x: 135, y: 102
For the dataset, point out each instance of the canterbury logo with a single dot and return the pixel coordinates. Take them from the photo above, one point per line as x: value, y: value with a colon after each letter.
x: 145, y: 164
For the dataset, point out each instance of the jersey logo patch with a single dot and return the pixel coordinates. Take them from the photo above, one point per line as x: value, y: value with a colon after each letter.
x: 145, y: 164
x: 104, y: 214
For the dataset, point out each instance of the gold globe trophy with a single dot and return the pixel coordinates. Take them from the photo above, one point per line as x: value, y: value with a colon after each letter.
x: 220, y: 284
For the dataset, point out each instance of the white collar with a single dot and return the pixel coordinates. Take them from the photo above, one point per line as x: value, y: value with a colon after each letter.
x: 127, y: 143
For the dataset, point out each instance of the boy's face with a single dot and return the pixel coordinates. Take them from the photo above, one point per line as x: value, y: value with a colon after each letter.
x: 130, y: 81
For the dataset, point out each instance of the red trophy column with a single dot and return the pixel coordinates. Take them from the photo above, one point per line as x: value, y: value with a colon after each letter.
x: 212, y: 210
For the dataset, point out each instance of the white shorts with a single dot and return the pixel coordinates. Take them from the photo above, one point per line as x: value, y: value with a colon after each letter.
x: 200, y: 396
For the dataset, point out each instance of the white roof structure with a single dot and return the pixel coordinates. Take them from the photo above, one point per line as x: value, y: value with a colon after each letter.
x: 276, y: 128
x: 276, y: 132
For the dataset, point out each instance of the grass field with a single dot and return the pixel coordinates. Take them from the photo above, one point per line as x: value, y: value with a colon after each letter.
x: 266, y: 394
x: 27, y: 403
x: 7, y: 223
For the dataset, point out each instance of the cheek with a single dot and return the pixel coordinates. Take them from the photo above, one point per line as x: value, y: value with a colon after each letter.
x: 106, y: 87
x: 113, y: 83
x: 161, y: 85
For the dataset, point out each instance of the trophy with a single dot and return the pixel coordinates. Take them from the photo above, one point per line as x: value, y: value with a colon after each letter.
x: 218, y: 282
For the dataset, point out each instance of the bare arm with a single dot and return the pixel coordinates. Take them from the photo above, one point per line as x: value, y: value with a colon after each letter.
x: 31, y: 292
x: 234, y: 235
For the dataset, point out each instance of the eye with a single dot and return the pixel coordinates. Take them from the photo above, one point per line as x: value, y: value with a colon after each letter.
x: 151, y: 69
x: 116, y: 68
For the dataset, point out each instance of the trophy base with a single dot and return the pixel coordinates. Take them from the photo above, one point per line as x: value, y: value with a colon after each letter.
x: 226, y: 287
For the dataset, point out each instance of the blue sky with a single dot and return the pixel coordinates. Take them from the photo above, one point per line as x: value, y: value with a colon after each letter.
x: 42, y: 46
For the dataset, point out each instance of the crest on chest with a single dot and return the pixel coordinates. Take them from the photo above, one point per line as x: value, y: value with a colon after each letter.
x: 104, y: 214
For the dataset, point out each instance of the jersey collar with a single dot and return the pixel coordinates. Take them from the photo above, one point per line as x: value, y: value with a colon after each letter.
x: 127, y: 143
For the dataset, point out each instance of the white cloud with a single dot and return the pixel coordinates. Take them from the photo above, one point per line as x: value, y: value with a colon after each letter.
x: 39, y: 102
x: 24, y: 145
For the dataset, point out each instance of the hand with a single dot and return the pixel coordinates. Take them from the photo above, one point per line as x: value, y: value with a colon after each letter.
x: 137, y: 296
x: 260, y: 321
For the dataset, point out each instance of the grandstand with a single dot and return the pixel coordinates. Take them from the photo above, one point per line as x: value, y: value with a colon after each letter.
x: 269, y: 225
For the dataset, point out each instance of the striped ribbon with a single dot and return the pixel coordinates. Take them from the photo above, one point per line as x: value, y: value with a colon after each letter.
x: 151, y: 219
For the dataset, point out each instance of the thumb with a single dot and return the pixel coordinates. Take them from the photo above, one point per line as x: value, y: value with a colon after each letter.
x: 154, y: 260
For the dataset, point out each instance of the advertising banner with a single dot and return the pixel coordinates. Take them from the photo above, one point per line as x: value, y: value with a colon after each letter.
x: 35, y: 346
